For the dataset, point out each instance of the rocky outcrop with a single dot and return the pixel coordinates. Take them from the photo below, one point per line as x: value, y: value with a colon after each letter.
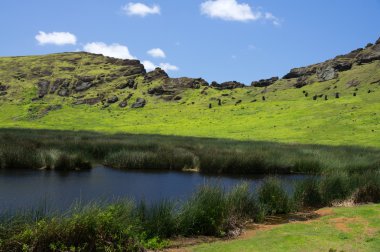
x: 59, y: 83
x: 128, y: 84
x: 330, y: 69
x: 140, y: 103
x: 301, y: 71
x: 158, y: 91
x: 326, y: 73
x: 156, y: 74
x: 82, y: 86
x: 43, y: 88
x: 227, y: 85
x: 186, y: 82
x: 264, y: 82
x: 89, y: 101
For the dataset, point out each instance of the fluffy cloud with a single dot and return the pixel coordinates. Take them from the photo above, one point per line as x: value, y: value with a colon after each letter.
x: 140, y: 9
x: 157, y: 53
x: 113, y: 50
x: 168, y: 67
x: 231, y: 10
x: 150, y: 66
x: 56, y: 38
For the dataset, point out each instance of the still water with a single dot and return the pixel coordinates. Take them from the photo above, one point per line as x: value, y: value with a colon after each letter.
x: 55, y: 190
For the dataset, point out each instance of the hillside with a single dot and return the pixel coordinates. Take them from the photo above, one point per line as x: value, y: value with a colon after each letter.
x: 334, y: 102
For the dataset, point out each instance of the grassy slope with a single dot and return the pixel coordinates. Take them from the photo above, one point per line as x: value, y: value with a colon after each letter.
x: 286, y: 115
x: 347, y: 229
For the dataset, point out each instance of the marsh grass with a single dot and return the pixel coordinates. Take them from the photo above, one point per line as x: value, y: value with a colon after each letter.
x: 273, y: 198
x: 33, y: 149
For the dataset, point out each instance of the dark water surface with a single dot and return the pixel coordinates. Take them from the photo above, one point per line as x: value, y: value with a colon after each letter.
x: 54, y: 190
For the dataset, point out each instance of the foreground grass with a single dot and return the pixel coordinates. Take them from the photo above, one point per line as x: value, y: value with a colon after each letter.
x: 346, y: 229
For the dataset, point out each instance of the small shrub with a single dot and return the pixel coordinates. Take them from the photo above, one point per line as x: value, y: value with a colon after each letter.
x: 273, y: 198
x: 204, y: 213
x: 159, y: 220
x: 335, y: 187
x: 307, y: 193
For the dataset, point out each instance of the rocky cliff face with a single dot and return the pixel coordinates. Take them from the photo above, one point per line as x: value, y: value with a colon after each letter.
x: 330, y: 69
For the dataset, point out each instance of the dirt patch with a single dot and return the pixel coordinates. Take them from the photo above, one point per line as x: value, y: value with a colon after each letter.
x: 342, y: 223
x: 324, y: 212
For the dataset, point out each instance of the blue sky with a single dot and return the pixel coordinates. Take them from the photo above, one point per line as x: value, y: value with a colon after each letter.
x: 220, y: 40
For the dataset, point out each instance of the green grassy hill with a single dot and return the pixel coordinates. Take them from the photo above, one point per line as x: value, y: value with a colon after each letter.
x: 335, y: 102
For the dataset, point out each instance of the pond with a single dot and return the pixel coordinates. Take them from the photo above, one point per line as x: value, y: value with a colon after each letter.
x: 25, y: 189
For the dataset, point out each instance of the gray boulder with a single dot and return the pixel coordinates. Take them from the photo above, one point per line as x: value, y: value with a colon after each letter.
x: 140, y: 103
x: 112, y: 99
x: 326, y: 73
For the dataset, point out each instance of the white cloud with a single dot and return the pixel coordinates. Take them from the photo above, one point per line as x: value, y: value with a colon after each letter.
x: 270, y: 17
x: 56, y: 38
x: 140, y: 9
x: 157, y: 53
x: 168, y: 67
x: 112, y: 50
x: 150, y: 66
x: 231, y: 10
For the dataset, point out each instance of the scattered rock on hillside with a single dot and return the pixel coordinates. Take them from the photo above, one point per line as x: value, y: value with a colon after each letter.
x: 264, y: 82
x: 124, y: 103
x: 57, y: 84
x: 156, y: 91
x: 112, y: 99
x: 353, y: 83
x: 43, y: 87
x: 83, y: 86
x: 90, y: 101
x: 64, y: 91
x: 68, y: 69
x: 140, y: 103
x: 86, y: 78
x: 3, y: 87
x: 128, y: 84
x: 301, y: 82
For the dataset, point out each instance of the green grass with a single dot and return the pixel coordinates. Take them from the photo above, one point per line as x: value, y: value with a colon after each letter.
x: 361, y: 232
x: 286, y: 115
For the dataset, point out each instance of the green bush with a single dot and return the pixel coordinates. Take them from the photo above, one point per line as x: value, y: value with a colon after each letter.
x: 307, y: 193
x: 159, y: 220
x: 368, y: 188
x: 204, y: 213
x: 335, y: 187
x: 272, y: 197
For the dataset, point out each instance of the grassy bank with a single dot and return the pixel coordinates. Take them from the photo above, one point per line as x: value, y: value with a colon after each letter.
x: 343, y: 229
x: 34, y: 149
x: 211, y: 211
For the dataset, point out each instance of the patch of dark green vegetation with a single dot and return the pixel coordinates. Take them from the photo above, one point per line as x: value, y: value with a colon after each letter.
x: 35, y: 149
x: 213, y: 211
